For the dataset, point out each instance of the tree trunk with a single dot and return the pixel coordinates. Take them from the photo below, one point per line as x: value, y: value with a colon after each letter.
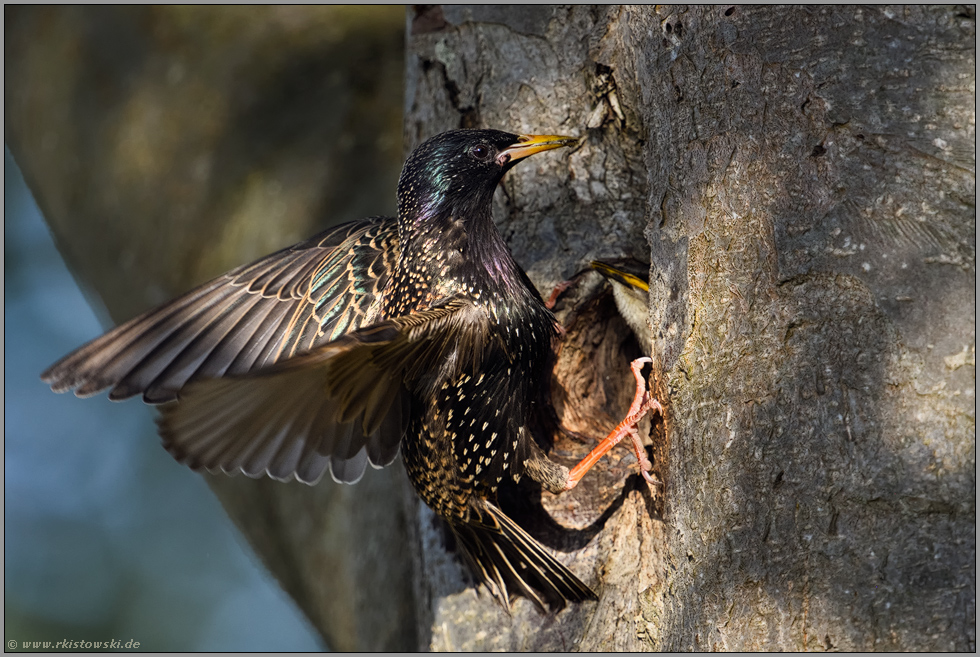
x: 805, y: 180
x: 802, y: 181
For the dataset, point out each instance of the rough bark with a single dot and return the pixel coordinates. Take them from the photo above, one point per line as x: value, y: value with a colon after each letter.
x: 802, y: 180
x: 805, y: 178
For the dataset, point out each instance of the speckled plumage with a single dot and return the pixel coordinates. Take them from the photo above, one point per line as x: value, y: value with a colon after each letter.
x: 420, y: 332
x: 470, y: 433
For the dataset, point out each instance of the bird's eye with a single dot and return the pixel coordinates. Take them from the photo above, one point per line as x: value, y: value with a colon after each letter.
x: 480, y: 152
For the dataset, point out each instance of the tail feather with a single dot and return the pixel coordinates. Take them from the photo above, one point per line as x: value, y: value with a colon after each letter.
x: 509, y: 561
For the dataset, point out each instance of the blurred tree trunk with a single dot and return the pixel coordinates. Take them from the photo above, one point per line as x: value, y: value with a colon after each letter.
x: 166, y: 145
x: 802, y: 180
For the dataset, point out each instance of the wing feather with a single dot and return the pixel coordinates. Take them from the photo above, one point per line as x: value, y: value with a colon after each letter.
x: 276, y: 307
x: 282, y: 367
x: 343, y: 405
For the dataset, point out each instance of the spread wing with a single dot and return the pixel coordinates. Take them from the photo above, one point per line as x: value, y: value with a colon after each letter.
x: 299, y: 416
x: 282, y: 305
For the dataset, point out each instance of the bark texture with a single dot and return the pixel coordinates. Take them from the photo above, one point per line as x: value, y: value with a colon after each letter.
x: 804, y: 178
x: 803, y: 183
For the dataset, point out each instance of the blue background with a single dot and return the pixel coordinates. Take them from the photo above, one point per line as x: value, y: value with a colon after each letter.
x: 106, y: 537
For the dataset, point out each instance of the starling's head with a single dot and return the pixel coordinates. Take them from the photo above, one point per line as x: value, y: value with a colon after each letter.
x: 457, y: 171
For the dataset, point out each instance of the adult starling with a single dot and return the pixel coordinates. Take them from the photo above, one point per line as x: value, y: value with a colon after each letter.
x: 420, y: 332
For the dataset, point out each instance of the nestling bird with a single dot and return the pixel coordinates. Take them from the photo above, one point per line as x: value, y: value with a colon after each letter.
x: 629, y: 279
x: 419, y: 332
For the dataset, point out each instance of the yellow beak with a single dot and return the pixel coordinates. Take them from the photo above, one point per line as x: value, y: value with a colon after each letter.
x: 627, y: 279
x: 530, y: 144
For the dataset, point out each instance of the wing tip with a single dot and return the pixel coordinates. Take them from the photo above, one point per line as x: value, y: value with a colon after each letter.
x: 81, y: 389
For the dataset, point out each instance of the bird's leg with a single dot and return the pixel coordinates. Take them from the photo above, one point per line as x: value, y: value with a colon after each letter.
x: 558, y: 479
x: 561, y: 287
x: 642, y: 404
x: 555, y: 293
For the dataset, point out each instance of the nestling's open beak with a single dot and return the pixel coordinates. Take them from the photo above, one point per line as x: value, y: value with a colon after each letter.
x: 530, y: 144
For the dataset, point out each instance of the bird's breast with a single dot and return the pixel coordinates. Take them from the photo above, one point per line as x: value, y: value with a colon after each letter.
x: 472, y: 432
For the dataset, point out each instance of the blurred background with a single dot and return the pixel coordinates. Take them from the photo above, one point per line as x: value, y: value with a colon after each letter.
x: 166, y: 145
x: 104, y: 538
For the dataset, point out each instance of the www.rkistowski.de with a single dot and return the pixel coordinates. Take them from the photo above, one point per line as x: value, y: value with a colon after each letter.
x: 68, y: 644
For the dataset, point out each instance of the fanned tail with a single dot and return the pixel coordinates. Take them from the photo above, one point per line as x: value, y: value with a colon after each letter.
x: 509, y: 561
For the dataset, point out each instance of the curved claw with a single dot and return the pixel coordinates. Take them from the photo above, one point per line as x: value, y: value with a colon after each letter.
x: 642, y: 404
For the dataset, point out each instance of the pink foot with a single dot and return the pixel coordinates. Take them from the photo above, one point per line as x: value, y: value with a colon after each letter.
x: 642, y: 404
